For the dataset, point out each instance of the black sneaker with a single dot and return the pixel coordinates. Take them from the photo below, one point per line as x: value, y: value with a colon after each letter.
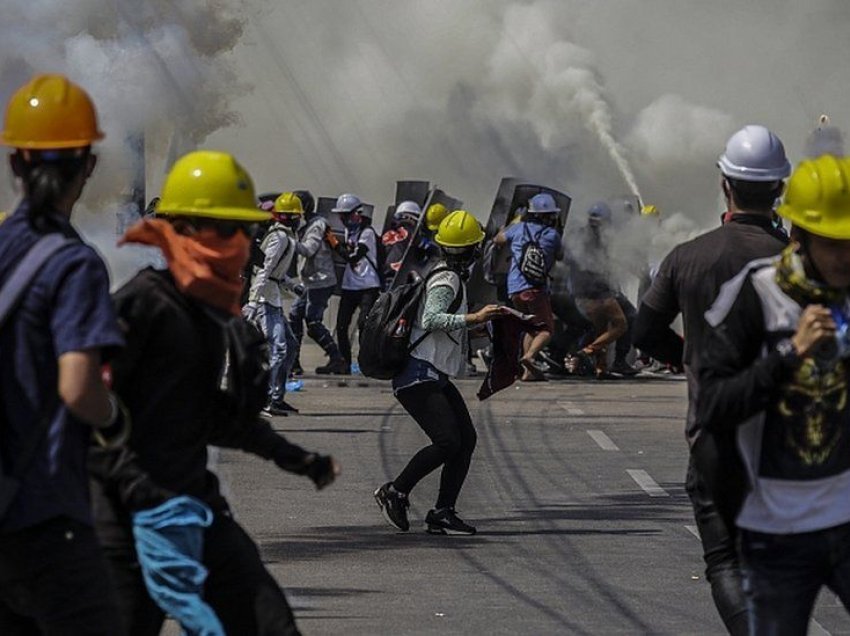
x: 297, y: 370
x: 283, y: 405
x: 335, y: 367
x: 621, y: 367
x: 393, y: 505
x: 272, y: 408
x: 446, y: 521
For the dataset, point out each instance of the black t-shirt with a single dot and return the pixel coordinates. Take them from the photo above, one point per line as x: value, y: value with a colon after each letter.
x: 690, y: 277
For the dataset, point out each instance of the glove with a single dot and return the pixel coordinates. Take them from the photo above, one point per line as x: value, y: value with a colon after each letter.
x: 299, y: 290
x: 320, y: 469
x: 117, y: 431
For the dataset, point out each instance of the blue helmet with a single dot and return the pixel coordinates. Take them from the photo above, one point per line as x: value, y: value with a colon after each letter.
x: 543, y: 203
x: 599, y: 213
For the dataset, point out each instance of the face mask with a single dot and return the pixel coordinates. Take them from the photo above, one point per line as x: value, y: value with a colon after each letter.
x: 206, y: 266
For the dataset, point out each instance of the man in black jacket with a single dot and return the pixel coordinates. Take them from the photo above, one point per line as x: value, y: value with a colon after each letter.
x: 182, y: 397
x: 753, y: 168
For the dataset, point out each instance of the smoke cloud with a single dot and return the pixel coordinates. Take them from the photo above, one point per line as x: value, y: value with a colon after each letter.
x: 594, y: 98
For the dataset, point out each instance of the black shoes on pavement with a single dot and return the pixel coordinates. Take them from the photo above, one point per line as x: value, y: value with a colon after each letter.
x: 280, y: 408
x: 393, y: 505
x: 335, y: 367
x: 446, y: 521
x: 621, y: 367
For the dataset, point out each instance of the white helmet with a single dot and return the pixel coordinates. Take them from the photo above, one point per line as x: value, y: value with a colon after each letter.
x: 409, y: 209
x: 543, y: 203
x: 347, y: 203
x: 754, y: 154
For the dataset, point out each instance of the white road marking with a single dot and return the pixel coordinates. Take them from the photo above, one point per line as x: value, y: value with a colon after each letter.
x: 649, y: 485
x: 604, y: 442
x: 693, y: 530
x: 571, y: 408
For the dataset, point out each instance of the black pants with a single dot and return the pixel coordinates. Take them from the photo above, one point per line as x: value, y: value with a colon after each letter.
x: 716, y: 485
x: 624, y: 342
x: 55, y: 580
x: 442, y: 414
x: 349, y: 302
x: 244, y: 596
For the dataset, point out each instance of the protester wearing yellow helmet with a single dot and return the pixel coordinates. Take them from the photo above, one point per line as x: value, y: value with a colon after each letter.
x: 270, y: 285
x: 434, y: 215
x: 53, y: 578
x: 776, y: 368
x: 192, y: 375
x: 424, y: 388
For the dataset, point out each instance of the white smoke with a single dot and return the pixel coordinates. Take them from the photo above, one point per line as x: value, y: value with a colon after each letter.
x: 154, y: 70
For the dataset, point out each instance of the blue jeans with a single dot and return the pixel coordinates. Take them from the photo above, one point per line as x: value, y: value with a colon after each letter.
x: 310, y: 308
x: 283, y: 347
x: 784, y: 573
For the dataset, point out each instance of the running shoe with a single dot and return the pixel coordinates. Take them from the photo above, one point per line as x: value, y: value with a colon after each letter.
x: 621, y: 367
x: 446, y: 521
x: 393, y: 505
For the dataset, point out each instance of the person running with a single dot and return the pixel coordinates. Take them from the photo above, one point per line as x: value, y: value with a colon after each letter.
x: 361, y: 281
x: 191, y: 376
x: 269, y: 285
x: 775, y: 369
x: 528, y: 277
x: 752, y: 169
x: 424, y: 387
x: 53, y: 576
x: 318, y: 275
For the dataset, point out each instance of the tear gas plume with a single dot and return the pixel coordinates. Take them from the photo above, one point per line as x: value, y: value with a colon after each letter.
x: 593, y: 98
x: 152, y: 67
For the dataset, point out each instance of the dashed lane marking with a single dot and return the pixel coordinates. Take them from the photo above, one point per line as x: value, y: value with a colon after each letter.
x: 693, y: 530
x: 649, y: 485
x: 571, y: 408
x: 604, y: 442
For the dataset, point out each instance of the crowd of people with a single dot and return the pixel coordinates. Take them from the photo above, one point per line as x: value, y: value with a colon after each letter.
x: 110, y: 517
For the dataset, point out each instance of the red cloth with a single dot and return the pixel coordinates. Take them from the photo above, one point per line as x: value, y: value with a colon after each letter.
x: 506, y: 332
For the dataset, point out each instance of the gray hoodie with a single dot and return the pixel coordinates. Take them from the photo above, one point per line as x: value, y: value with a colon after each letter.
x: 317, y: 268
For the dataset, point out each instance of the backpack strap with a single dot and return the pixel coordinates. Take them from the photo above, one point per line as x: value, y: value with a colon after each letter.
x: 452, y: 308
x: 10, y: 295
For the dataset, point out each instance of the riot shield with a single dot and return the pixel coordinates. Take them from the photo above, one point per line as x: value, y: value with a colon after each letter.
x: 407, y: 191
x: 419, y: 258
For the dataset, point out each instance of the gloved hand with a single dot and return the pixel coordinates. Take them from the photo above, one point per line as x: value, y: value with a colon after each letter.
x: 117, y: 431
x: 299, y: 290
x: 321, y: 469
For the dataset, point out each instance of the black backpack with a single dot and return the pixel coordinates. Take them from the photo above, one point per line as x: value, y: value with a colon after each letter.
x: 256, y: 259
x: 385, y: 334
x: 532, y: 260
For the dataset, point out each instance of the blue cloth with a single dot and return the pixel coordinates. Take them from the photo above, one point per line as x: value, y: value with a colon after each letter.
x: 548, y: 239
x: 67, y: 308
x: 169, y: 546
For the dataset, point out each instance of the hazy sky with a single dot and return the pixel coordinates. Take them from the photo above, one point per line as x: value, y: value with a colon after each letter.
x: 351, y: 95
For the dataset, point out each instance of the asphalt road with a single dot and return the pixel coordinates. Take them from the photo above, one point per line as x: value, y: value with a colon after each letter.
x: 576, y: 490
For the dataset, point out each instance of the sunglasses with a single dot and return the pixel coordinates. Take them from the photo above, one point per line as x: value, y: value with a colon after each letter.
x: 224, y: 228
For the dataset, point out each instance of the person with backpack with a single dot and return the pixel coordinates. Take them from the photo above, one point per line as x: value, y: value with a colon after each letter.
x: 438, y: 340
x: 192, y: 375
x: 318, y: 275
x: 361, y: 281
x: 57, y: 331
x: 535, y: 246
x: 269, y: 285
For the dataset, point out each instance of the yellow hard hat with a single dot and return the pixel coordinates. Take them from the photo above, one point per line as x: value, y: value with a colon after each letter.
x: 649, y: 210
x: 50, y: 113
x: 434, y: 216
x: 459, y: 229
x: 210, y: 184
x: 818, y: 197
x: 288, y: 203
